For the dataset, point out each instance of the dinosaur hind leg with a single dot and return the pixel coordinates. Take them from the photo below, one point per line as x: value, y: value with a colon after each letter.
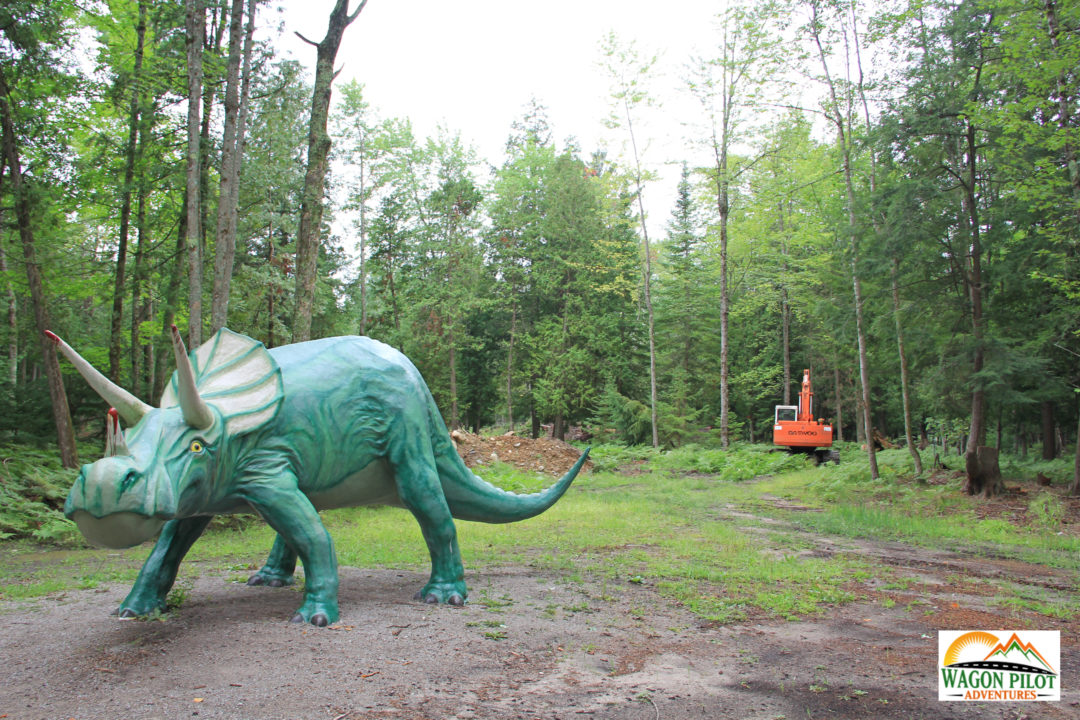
x: 421, y: 492
x: 279, y: 568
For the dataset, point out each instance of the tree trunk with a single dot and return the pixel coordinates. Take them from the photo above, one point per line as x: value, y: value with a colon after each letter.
x: 225, y: 251
x: 311, y: 209
x: 904, y: 392
x: 864, y: 363
x: 363, y: 232
x: 723, y: 207
x: 393, y: 294
x: 510, y: 370
x: 148, y: 352
x: 211, y: 44
x: 861, y: 86
x: 271, y: 311
x: 12, y: 322
x: 142, y: 354
x: 647, y: 279
x: 844, y: 142
x: 983, y: 473
x: 652, y: 330
x: 168, y: 316
x: 785, y: 324
x: 860, y: 428
x: 1049, y: 441
x: 978, y: 474
x: 65, y: 433
x: 839, y: 424
x: 196, y: 27
x: 455, y: 422
x: 115, y: 332
x: 139, y: 308
x: 534, y: 419
x: 1074, y: 488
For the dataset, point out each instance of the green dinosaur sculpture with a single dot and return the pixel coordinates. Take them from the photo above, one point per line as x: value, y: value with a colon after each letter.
x: 287, y: 432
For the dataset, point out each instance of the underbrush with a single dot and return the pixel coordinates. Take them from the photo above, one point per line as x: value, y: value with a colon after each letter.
x: 900, y: 506
x: 740, y: 462
x: 33, y: 486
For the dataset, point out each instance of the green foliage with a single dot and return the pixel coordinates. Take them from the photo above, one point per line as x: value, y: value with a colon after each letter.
x: 33, y: 487
x: 512, y: 479
x: 741, y: 462
x: 609, y: 458
x: 1047, y: 509
x: 630, y: 418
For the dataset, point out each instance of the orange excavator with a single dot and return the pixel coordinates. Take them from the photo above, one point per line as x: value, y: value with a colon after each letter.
x: 795, y: 428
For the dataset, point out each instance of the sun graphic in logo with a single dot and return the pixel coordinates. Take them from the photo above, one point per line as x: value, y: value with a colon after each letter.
x: 980, y: 648
x: 972, y: 640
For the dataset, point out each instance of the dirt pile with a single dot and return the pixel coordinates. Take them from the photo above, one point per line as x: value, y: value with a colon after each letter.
x: 544, y: 454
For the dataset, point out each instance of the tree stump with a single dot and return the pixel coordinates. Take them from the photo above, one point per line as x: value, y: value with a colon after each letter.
x: 983, y: 472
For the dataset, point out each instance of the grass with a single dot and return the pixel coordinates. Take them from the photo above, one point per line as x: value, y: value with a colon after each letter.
x: 685, y: 524
x: 899, y: 508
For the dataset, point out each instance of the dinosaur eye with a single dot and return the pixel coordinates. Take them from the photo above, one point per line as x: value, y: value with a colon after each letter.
x: 196, y: 446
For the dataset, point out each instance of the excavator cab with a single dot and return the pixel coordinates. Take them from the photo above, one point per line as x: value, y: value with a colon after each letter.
x: 795, y: 428
x: 786, y: 413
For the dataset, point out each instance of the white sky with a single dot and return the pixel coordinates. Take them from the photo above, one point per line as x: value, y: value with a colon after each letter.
x: 474, y: 65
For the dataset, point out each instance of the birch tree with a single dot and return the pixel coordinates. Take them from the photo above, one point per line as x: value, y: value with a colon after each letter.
x: 729, y: 86
x: 838, y: 108
x: 630, y: 74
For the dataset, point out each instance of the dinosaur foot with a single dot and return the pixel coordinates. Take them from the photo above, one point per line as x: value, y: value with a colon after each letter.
x: 317, y: 613
x: 134, y: 607
x: 318, y: 619
x: 270, y: 579
x: 451, y: 593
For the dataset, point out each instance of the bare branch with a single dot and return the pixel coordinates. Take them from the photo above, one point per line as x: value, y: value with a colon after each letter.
x: 358, y: 9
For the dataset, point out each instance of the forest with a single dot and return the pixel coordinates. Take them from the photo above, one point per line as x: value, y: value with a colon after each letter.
x: 912, y: 235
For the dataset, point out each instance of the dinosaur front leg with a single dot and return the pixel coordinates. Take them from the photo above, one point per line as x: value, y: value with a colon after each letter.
x: 159, y: 571
x: 299, y: 527
x: 279, y: 568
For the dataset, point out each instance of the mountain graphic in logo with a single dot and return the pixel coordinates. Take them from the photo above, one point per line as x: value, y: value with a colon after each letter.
x: 1019, y: 653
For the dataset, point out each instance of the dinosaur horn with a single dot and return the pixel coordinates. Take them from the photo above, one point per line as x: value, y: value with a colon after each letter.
x: 114, y: 436
x: 196, y: 412
x: 130, y: 407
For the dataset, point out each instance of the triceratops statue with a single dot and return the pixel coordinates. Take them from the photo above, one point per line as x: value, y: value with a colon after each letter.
x: 287, y: 432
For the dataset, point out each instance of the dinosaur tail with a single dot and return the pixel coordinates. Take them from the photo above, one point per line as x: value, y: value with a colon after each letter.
x: 473, y: 498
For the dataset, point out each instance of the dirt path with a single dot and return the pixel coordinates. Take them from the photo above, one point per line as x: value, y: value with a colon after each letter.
x: 529, y: 645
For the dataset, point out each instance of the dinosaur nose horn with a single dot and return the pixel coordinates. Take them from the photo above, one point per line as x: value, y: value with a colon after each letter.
x: 114, y: 436
x: 130, y: 407
x: 196, y: 412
